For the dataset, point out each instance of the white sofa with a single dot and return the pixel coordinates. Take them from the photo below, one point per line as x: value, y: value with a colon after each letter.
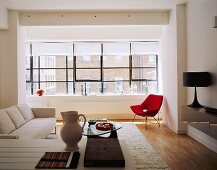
x: 22, y: 122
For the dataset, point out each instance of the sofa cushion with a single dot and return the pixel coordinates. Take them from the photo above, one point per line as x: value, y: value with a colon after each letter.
x: 38, y: 128
x: 15, y: 116
x: 26, y: 112
x: 6, y: 125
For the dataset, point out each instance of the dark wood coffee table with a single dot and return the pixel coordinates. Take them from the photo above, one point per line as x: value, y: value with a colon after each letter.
x: 103, y: 151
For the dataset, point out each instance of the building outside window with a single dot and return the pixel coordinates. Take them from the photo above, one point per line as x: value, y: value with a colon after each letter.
x: 105, y: 67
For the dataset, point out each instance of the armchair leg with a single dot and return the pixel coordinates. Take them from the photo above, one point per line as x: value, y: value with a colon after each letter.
x: 134, y: 118
x: 146, y: 122
x: 157, y: 121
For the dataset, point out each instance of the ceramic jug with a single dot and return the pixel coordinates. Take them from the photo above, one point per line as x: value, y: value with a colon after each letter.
x: 71, y: 132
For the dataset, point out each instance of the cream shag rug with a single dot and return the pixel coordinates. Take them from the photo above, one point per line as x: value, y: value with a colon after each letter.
x: 141, y: 151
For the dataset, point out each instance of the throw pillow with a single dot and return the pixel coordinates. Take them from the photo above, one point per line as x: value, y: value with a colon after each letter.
x: 26, y: 112
x: 15, y: 116
x: 6, y: 125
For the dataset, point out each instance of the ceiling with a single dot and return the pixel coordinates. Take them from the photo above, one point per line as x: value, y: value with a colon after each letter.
x: 89, y: 4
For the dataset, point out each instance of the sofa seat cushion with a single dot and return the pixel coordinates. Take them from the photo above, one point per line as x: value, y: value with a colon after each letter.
x: 6, y: 125
x: 26, y: 112
x: 38, y: 128
x: 15, y: 115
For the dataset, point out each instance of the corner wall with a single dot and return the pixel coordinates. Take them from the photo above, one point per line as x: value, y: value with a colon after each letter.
x: 8, y: 63
x: 169, y: 72
x: 169, y: 67
x: 21, y: 65
x: 181, y: 62
x: 173, y: 64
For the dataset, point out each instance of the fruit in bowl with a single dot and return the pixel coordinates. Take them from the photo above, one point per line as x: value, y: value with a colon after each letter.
x: 40, y: 92
x: 104, y: 126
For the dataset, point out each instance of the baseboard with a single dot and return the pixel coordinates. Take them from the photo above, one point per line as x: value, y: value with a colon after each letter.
x: 181, y: 132
x: 110, y: 116
x: 172, y: 127
x: 113, y: 116
x: 203, y: 138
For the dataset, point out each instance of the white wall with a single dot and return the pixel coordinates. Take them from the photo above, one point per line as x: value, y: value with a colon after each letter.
x: 181, y: 61
x: 91, y: 33
x: 169, y: 72
x: 21, y: 64
x: 8, y: 61
x: 201, y: 49
x: 106, y: 106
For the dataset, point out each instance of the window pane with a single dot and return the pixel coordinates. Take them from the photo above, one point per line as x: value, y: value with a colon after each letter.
x: 139, y: 87
x: 91, y: 88
x: 88, y: 74
x: 87, y: 48
x: 70, y: 88
x: 27, y: 62
x: 70, y: 74
x: 70, y: 61
x: 43, y: 49
x: 116, y: 61
x: 35, y: 61
x: 144, y: 60
x: 28, y: 49
x: 27, y: 75
x: 88, y: 61
x: 144, y: 47
x: 116, y: 74
x: 35, y: 75
x: 144, y: 87
x: 53, y: 74
x: 35, y: 88
x: 54, y: 88
x: 116, y: 87
x: 53, y: 61
x: 116, y: 48
x: 152, y: 87
x: 28, y: 88
x: 144, y: 73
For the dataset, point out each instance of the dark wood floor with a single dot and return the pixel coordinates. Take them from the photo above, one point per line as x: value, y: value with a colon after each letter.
x: 181, y: 152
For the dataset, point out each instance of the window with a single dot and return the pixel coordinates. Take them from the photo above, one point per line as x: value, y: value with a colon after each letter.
x: 99, y: 67
x: 53, y: 75
x: 51, y: 68
x: 144, y: 67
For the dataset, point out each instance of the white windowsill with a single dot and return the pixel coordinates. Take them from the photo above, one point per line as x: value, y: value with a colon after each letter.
x: 90, y: 95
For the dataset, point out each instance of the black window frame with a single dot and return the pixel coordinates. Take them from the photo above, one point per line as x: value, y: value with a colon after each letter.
x: 101, y: 69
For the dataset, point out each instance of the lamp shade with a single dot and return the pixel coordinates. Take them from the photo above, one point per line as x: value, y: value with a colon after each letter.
x: 196, y: 79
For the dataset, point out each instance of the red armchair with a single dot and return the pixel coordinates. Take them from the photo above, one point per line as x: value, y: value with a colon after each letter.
x: 149, y: 108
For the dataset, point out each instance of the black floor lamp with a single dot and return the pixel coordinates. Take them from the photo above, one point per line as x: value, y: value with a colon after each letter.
x: 196, y: 79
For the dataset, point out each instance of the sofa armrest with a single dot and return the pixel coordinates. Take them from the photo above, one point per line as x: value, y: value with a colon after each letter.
x: 9, y: 136
x: 44, y: 112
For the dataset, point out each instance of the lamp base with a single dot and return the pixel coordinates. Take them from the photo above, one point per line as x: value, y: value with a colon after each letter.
x: 198, y: 105
x: 195, y: 103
